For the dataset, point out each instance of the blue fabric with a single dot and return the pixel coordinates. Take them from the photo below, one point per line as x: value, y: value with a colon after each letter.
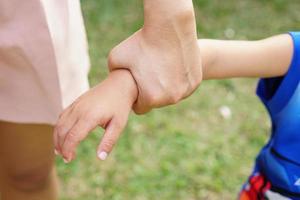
x: 279, y: 160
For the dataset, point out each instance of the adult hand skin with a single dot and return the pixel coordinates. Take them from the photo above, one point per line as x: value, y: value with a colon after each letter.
x: 163, y: 56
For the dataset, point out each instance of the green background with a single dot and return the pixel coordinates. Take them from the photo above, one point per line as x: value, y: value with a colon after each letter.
x: 188, y: 151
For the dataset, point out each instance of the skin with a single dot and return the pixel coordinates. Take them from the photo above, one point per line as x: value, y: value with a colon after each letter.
x: 163, y: 56
x: 269, y: 57
x: 111, y: 102
x: 167, y: 43
x: 221, y: 59
x: 27, y: 171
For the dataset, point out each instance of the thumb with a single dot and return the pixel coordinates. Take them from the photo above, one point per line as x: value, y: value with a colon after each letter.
x: 109, y: 139
x: 119, y: 57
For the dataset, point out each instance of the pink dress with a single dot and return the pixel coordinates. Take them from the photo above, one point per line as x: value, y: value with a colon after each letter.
x: 44, y: 59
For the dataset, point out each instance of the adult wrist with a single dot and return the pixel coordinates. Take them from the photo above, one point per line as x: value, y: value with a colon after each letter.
x: 169, y: 20
x: 167, y: 9
x: 170, y: 15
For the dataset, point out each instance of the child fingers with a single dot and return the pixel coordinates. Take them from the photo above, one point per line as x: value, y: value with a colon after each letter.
x: 64, y: 124
x: 110, y: 137
x: 75, y: 135
x: 55, y: 140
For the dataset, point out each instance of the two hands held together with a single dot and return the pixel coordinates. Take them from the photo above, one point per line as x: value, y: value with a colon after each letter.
x: 159, y: 65
x: 106, y: 105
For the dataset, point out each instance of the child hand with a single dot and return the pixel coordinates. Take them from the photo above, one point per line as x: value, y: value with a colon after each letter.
x: 107, y: 105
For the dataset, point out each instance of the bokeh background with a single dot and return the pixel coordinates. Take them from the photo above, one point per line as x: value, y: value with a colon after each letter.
x: 202, y: 148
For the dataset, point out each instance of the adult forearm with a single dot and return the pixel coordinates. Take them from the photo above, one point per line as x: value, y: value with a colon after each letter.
x: 264, y: 58
x: 163, y: 56
x: 166, y: 9
x: 167, y: 16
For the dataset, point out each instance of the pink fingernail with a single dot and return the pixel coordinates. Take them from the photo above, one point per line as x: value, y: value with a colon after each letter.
x: 66, y: 160
x: 102, y: 155
x: 56, y: 152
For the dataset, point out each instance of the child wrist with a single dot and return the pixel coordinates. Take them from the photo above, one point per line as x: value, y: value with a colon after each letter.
x: 130, y: 85
x: 208, y: 59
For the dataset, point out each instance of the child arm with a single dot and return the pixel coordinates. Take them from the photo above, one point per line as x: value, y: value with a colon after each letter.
x: 106, y: 105
x: 263, y: 58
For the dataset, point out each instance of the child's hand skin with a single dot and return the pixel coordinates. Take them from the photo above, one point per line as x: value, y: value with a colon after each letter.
x: 269, y: 57
x: 107, y: 105
x: 221, y: 59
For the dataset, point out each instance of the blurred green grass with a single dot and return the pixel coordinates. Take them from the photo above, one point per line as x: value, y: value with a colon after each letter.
x: 186, y: 151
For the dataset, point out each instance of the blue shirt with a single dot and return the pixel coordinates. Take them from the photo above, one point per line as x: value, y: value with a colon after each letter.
x: 279, y: 160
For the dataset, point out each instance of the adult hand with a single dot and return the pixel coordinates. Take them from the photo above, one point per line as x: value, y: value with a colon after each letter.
x: 163, y: 56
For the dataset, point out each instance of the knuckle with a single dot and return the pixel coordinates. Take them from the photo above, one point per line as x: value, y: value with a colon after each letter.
x: 174, y: 99
x: 79, y: 107
x: 156, y: 98
x: 65, y: 152
x: 167, y: 93
x: 59, y: 129
x: 73, y: 137
x: 173, y: 92
x: 198, y: 79
x: 108, y: 144
x: 152, y: 98
x: 87, y: 117
x: 175, y: 95
x: 196, y: 83
x: 191, y: 87
x: 119, y: 124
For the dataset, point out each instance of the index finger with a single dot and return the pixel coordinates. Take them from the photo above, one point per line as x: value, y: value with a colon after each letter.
x: 76, y: 134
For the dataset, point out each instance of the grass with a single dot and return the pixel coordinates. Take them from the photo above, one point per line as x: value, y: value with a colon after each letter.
x: 188, y: 151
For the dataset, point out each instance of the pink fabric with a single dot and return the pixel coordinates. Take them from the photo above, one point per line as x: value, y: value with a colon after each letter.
x: 43, y: 58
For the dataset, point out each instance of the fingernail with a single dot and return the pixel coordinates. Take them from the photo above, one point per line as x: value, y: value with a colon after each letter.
x: 66, y: 161
x: 102, y: 155
x: 56, y: 152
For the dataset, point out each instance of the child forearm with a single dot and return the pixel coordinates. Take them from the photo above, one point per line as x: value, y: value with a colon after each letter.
x: 264, y: 58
